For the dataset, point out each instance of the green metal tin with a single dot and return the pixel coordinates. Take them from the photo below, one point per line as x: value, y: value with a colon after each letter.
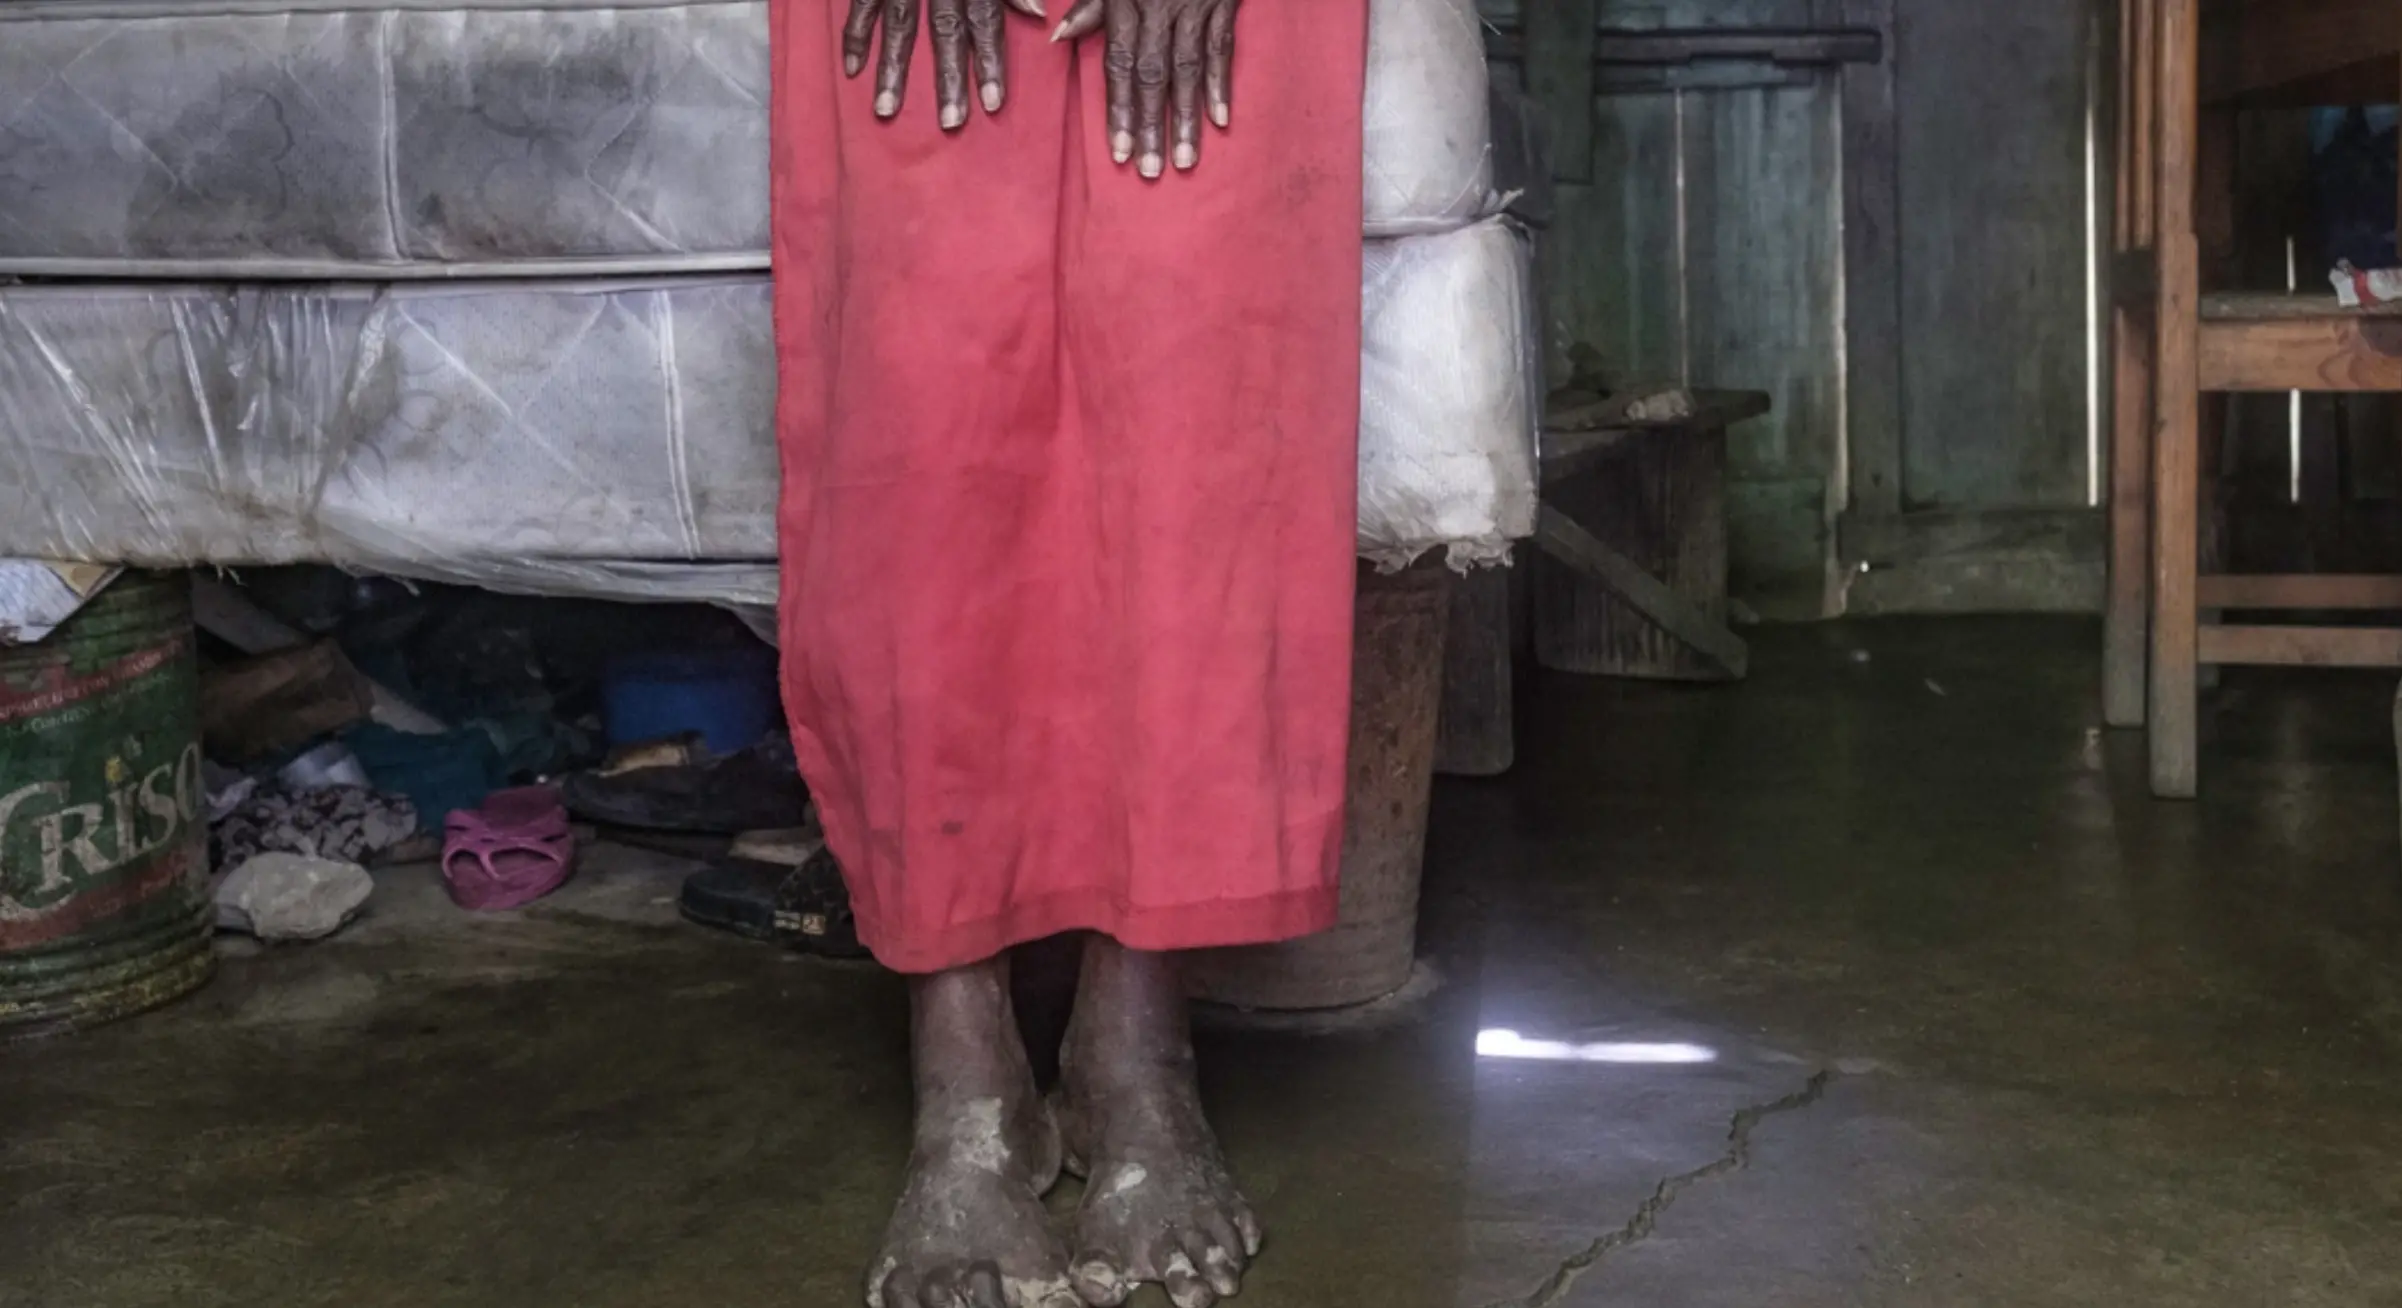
x: 104, y: 906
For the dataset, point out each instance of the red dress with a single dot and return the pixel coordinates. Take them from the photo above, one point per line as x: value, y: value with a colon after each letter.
x: 1068, y: 507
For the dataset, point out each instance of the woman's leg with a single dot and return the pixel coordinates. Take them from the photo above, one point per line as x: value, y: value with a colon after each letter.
x: 1160, y: 1205
x: 969, y: 1231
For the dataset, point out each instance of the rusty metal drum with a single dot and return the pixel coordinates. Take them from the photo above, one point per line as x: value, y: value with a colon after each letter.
x: 1396, y: 697
x: 103, y: 845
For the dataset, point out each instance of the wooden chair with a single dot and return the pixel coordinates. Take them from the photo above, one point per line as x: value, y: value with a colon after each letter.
x: 2171, y: 344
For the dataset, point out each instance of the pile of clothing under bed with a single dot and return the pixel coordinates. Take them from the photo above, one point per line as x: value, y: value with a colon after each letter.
x: 478, y: 291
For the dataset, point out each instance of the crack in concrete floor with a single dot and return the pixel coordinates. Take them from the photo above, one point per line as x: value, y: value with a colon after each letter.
x: 1638, y: 1227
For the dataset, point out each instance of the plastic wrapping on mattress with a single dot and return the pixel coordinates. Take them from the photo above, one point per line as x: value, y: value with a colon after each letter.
x: 1447, y: 386
x: 473, y: 428
x: 590, y: 438
x: 321, y: 139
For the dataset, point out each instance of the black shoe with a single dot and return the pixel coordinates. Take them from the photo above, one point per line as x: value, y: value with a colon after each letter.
x: 725, y: 794
x: 806, y: 907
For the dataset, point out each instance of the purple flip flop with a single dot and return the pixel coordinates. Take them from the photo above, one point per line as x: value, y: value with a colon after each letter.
x: 514, y: 850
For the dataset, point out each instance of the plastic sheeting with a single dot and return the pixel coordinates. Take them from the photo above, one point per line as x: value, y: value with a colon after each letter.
x: 599, y: 439
x: 1447, y: 406
x: 460, y: 428
x: 1428, y: 118
x: 327, y: 139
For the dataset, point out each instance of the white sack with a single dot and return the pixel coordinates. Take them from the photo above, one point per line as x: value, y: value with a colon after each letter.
x: 1429, y: 120
x: 1447, y: 419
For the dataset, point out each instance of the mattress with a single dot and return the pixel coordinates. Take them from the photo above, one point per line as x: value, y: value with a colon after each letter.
x: 450, y: 424
x: 329, y: 139
x: 595, y: 436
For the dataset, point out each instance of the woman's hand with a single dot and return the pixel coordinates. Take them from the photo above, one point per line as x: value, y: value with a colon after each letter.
x: 959, y: 27
x: 1163, y: 56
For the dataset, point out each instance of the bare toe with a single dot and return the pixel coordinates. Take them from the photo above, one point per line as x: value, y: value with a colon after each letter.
x: 890, y: 1287
x: 1183, y: 1281
x: 1218, y: 1265
x: 983, y: 1289
x: 941, y: 1290
x: 1101, y: 1282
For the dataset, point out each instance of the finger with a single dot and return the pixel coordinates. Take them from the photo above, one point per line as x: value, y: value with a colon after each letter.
x: 1151, y: 63
x: 1185, y: 1287
x: 858, y: 31
x: 984, y: 21
x: 948, y: 18
x: 1220, y: 38
x: 900, y: 42
x: 1030, y: 8
x: 1184, y: 90
x: 1117, y: 61
x: 1082, y: 21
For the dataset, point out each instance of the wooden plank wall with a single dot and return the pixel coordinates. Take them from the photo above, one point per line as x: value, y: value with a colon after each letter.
x: 1708, y: 248
x: 1991, y: 101
x: 1710, y: 244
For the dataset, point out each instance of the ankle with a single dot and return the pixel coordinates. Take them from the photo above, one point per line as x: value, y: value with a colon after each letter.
x: 966, y: 1050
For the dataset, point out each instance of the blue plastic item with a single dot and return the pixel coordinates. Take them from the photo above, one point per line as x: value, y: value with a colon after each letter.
x: 454, y: 770
x: 729, y: 696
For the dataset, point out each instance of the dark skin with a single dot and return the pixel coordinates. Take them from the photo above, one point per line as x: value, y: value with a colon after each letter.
x: 967, y: 38
x: 1168, y: 63
x: 1159, y: 1205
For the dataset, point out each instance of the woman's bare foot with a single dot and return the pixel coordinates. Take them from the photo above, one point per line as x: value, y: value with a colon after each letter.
x: 1159, y: 1205
x: 969, y: 1231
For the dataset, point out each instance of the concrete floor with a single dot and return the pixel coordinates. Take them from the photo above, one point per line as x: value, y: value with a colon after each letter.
x: 1984, y: 1025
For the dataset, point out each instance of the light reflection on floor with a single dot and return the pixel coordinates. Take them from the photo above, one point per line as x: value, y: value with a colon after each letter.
x: 1497, y: 1043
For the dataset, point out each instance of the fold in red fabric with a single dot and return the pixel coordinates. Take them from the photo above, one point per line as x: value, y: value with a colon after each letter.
x: 1068, y: 507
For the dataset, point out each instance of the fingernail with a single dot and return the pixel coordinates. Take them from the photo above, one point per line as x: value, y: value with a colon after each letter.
x: 992, y: 97
x: 851, y: 64
x: 1221, y: 113
x: 1151, y: 166
x: 1186, y: 156
x: 1121, y: 146
x: 1060, y: 33
x: 954, y: 116
x: 887, y: 104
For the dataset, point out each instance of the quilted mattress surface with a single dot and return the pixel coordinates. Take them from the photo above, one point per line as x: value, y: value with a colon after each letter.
x: 322, y: 139
x: 518, y: 433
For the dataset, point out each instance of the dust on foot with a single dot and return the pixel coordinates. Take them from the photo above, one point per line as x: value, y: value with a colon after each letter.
x: 970, y: 1231
x: 1159, y: 1204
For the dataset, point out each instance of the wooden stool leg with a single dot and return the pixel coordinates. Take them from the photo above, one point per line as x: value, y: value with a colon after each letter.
x: 2125, y: 619
x: 2177, y: 440
x: 2176, y: 531
x: 2124, y: 624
